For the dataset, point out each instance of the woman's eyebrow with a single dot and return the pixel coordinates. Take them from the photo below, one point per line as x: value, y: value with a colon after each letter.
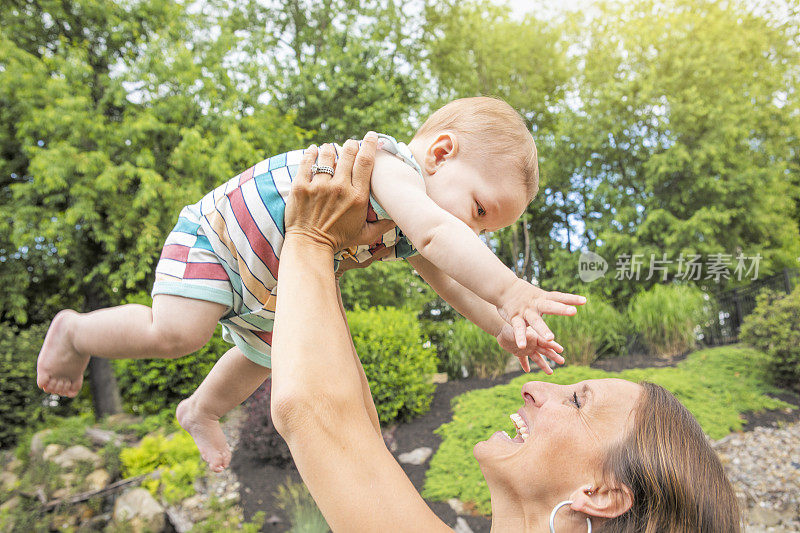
x: 588, y: 392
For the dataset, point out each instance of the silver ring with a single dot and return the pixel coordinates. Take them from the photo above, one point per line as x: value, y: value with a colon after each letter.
x: 321, y: 169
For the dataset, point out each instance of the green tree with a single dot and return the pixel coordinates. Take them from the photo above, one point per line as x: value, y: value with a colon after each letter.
x: 476, y: 48
x: 676, y: 141
x: 342, y: 66
x: 115, y: 115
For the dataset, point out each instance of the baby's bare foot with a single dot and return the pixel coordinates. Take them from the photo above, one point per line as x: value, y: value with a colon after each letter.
x: 59, y: 369
x: 206, y: 432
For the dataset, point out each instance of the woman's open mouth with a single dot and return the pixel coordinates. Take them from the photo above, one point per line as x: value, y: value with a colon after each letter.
x: 522, y: 433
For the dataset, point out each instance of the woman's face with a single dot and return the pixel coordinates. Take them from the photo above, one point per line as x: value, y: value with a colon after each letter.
x: 563, y: 434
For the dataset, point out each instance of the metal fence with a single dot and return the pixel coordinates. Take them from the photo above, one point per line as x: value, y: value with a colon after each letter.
x: 734, y: 304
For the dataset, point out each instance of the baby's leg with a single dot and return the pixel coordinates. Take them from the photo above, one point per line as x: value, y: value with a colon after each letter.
x: 232, y: 380
x: 175, y: 326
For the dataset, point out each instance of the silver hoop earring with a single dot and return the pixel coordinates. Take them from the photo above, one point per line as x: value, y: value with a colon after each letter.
x: 555, y: 510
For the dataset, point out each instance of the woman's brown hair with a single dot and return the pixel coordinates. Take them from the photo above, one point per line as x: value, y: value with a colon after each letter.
x: 677, y: 480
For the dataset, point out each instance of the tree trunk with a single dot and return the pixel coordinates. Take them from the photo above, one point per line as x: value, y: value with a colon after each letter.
x: 105, y: 393
x: 102, y: 382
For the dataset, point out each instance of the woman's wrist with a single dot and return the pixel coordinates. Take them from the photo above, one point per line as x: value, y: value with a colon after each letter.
x: 308, y: 240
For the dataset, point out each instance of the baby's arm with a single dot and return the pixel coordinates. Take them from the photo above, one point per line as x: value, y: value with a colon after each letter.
x: 485, y: 316
x: 448, y: 243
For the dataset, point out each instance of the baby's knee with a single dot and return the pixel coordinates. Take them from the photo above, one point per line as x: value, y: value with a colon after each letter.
x: 177, y: 342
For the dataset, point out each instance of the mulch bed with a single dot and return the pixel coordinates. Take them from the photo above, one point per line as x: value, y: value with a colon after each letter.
x: 260, y: 481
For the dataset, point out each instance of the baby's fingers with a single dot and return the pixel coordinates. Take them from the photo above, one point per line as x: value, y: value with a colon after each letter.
x: 542, y: 363
x: 553, y: 345
x: 549, y: 307
x: 566, y: 298
x: 551, y: 354
x: 523, y: 360
x: 535, y: 321
x: 518, y: 323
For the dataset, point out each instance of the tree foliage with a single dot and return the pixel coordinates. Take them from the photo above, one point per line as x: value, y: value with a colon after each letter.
x: 662, y: 127
x: 122, y: 113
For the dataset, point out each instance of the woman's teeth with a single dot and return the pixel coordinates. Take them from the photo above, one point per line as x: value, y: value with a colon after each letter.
x: 519, y: 424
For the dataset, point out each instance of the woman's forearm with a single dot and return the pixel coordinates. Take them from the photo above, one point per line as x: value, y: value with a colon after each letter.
x: 310, y: 337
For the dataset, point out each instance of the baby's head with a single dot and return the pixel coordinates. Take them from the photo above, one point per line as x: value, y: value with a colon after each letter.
x: 479, y: 161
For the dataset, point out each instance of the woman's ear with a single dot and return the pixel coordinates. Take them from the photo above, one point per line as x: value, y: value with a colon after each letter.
x: 443, y: 146
x: 602, y: 501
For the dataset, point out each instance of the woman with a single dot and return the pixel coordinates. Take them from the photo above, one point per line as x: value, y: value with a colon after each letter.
x: 625, y: 457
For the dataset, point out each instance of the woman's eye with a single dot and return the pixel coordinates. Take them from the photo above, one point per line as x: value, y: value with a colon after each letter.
x: 575, y: 399
x: 481, y: 210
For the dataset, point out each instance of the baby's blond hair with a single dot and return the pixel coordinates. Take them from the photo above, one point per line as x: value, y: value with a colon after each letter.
x: 493, y: 128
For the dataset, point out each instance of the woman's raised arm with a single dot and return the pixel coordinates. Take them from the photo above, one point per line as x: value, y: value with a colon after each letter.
x: 317, y: 403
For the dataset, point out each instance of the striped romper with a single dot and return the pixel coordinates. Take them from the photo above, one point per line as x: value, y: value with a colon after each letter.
x: 226, y: 248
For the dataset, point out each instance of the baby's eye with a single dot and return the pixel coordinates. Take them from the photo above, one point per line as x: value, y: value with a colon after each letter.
x: 575, y: 400
x: 481, y: 210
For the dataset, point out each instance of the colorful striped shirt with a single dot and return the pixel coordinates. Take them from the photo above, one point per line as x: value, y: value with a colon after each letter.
x: 226, y: 248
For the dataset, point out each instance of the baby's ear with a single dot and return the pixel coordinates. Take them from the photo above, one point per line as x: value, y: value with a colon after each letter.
x: 443, y: 146
x: 603, y: 501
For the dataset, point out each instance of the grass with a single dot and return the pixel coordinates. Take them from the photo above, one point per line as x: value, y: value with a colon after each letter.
x: 666, y: 316
x: 597, y: 329
x: 717, y: 385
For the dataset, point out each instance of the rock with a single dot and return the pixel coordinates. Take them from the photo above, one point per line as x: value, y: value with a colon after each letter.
x: 63, y: 521
x: 441, y: 377
x: 8, y: 481
x: 415, y: 457
x: 101, y: 437
x: 761, y: 467
x: 37, y: 442
x: 51, y: 450
x: 84, y: 512
x: 195, y: 508
x: 180, y: 520
x: 96, y: 523
x: 63, y: 492
x: 98, y: 479
x: 456, y: 505
x: 273, y: 520
x: 11, y: 504
x: 763, y: 516
x: 389, y: 439
x: 139, y: 510
x: 123, y: 419
x: 75, y: 454
x: 462, y: 526
x: 14, y: 465
x: 512, y: 365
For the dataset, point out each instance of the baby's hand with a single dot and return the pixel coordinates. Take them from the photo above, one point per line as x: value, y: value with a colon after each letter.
x: 524, y: 304
x: 536, y: 348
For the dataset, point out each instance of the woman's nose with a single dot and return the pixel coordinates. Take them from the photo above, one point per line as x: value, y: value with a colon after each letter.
x: 537, y: 392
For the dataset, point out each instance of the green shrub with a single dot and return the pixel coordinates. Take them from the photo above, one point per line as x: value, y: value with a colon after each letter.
x: 665, y: 318
x: 304, y: 515
x: 69, y: 431
x: 774, y: 326
x: 23, y: 404
x: 469, y: 347
x: 385, y: 284
x: 225, y: 517
x: 598, y: 329
x: 176, y: 454
x: 398, y: 366
x: 148, y: 386
x: 717, y: 385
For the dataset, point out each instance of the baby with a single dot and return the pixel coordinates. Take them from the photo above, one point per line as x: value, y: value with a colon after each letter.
x: 471, y: 168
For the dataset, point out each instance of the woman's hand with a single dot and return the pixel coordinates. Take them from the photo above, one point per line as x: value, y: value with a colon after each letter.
x: 332, y: 210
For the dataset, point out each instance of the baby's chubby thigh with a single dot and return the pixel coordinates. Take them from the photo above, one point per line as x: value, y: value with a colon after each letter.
x: 183, y: 325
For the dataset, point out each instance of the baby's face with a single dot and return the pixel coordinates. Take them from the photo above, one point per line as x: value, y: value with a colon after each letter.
x: 483, y: 194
